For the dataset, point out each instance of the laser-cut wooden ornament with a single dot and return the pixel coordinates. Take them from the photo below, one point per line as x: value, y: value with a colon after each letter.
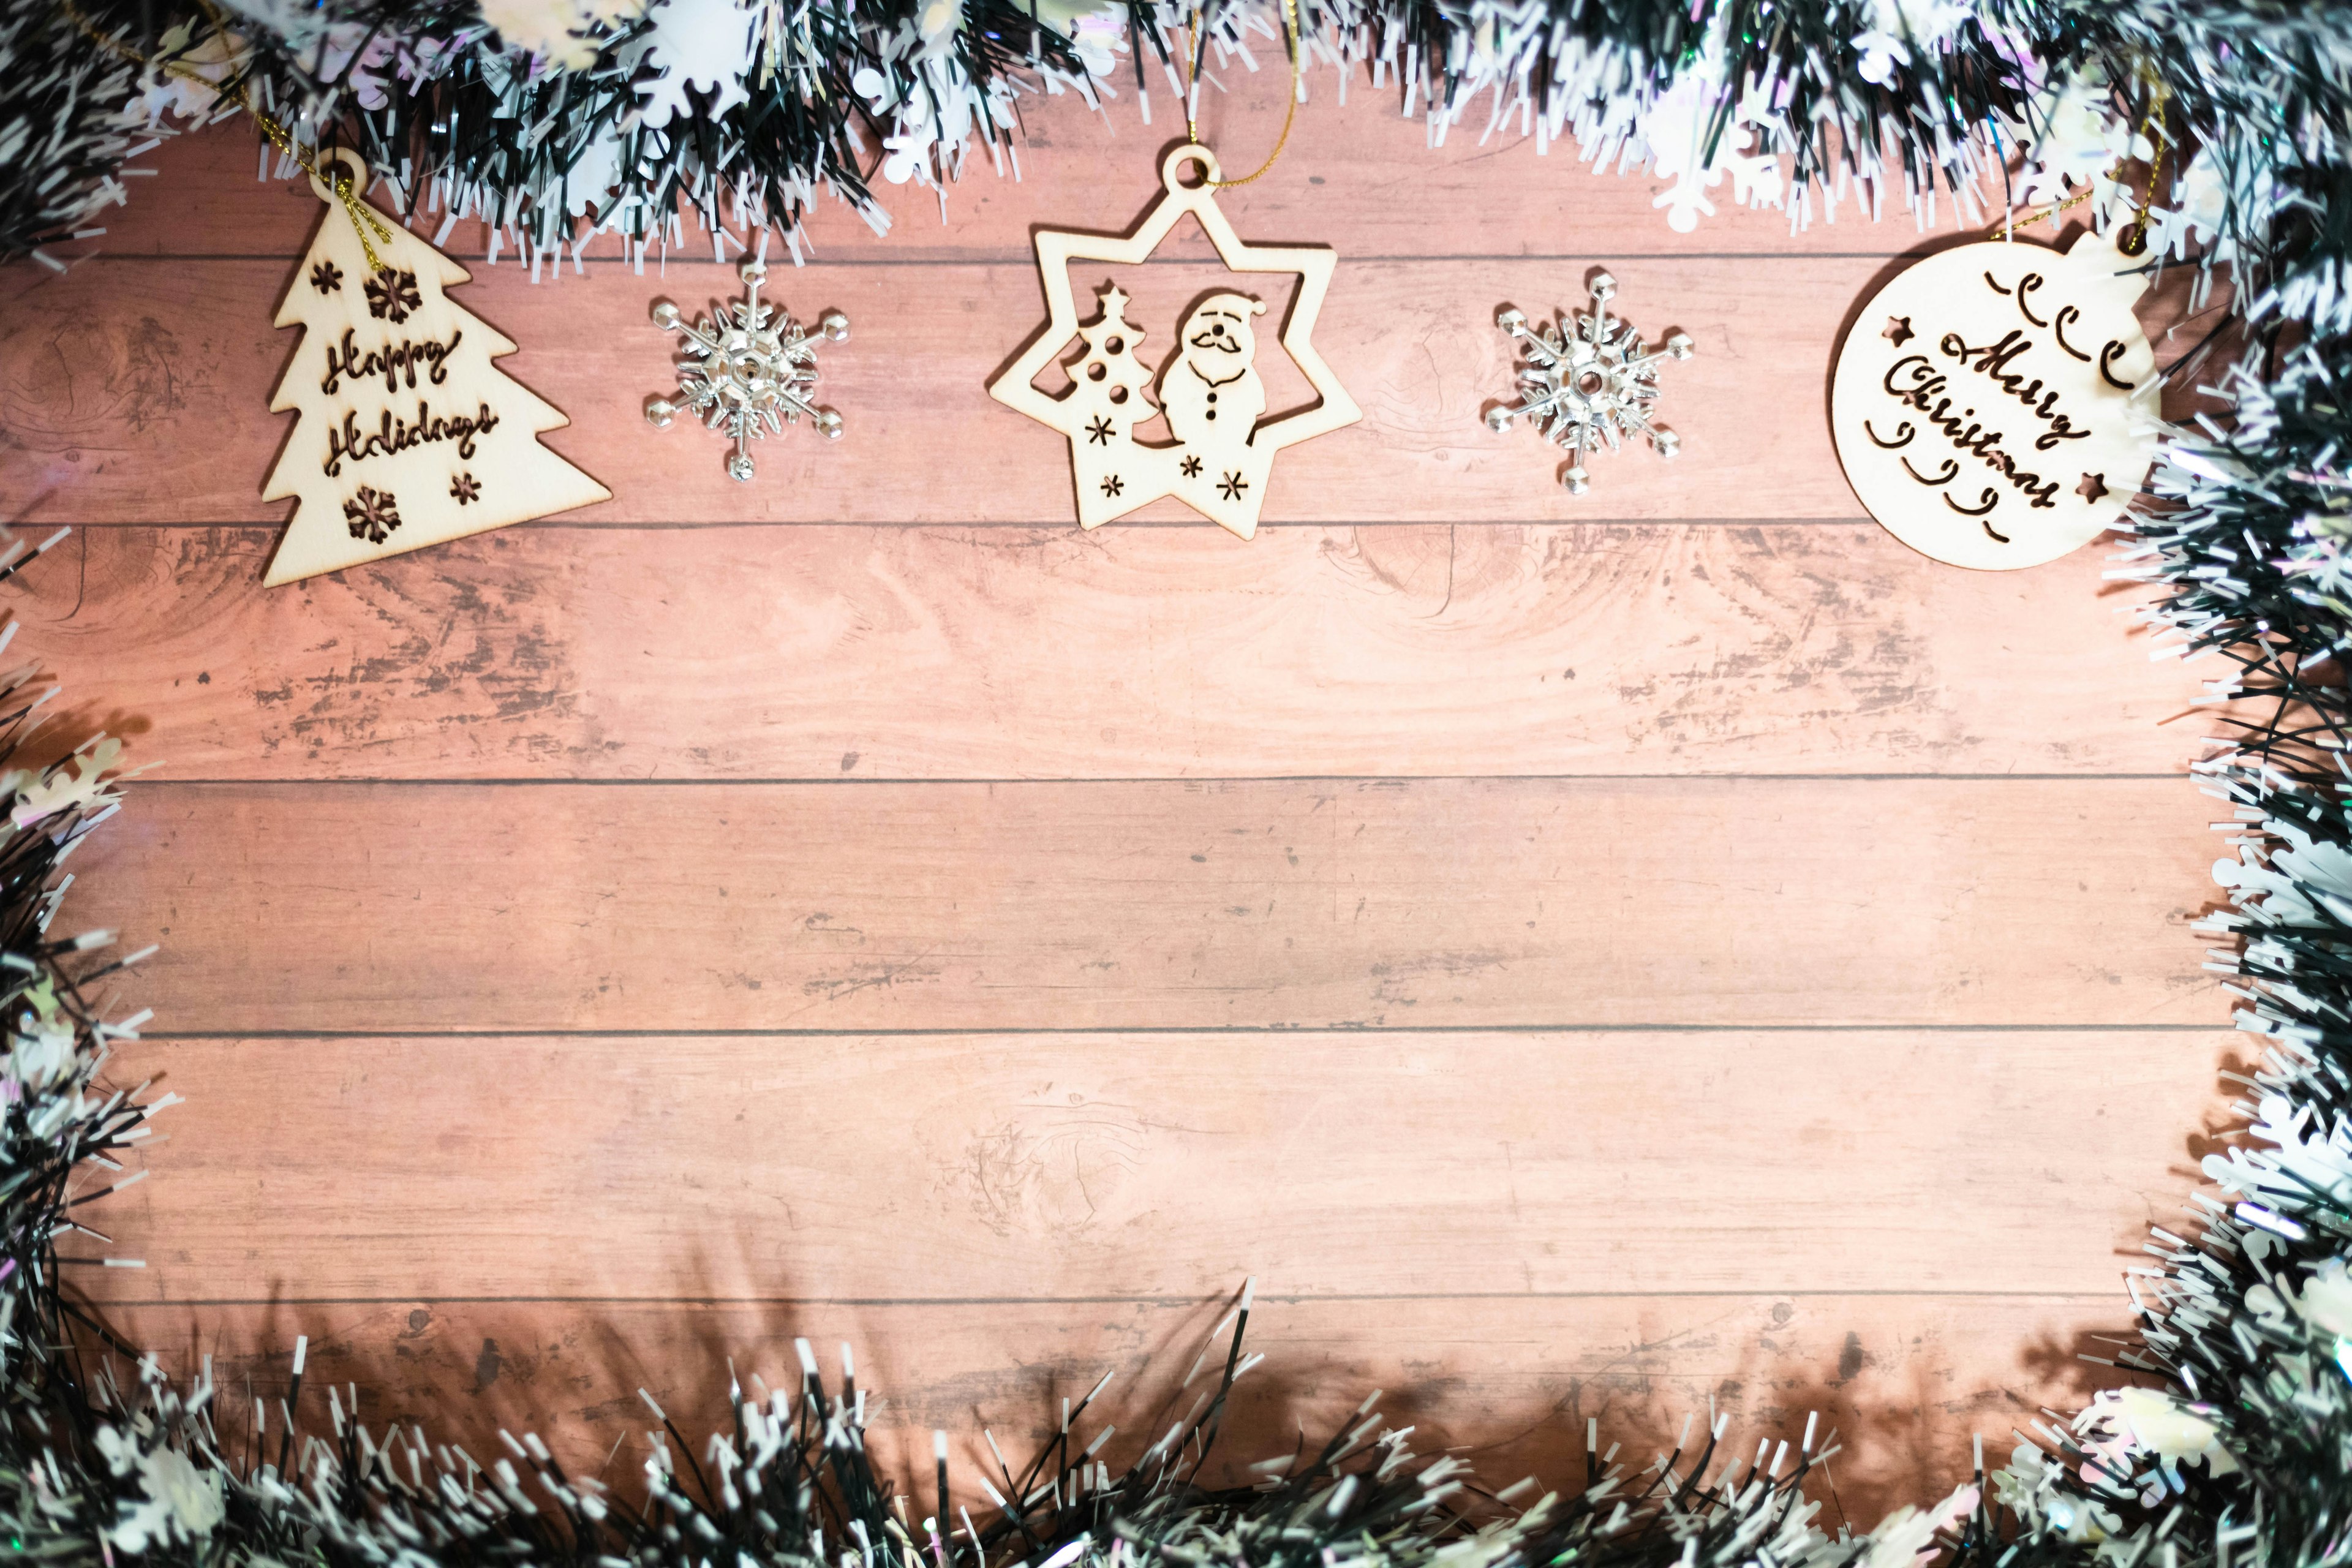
x: 407, y: 434
x: 1995, y: 404
x: 1208, y: 387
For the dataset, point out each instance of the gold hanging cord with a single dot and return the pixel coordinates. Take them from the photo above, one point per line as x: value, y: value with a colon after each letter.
x: 1196, y: 44
x: 2134, y: 238
x: 364, y: 217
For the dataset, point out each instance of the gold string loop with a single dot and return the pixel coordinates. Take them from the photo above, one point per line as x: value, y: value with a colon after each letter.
x: 343, y: 188
x: 364, y: 218
x: 2134, y: 238
x: 1196, y: 44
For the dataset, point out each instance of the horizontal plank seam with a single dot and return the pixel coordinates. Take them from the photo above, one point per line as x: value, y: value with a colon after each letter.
x: 147, y: 782
x: 1268, y: 526
x: 1028, y: 259
x: 1097, y: 1300
x: 202, y: 1037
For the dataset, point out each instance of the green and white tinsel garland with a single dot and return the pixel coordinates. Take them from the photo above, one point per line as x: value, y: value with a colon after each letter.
x: 553, y: 120
x: 2232, y: 1444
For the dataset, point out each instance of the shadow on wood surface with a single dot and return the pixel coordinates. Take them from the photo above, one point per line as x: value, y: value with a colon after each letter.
x: 571, y: 1372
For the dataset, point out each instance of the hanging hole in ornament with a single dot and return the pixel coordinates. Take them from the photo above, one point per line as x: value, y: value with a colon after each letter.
x: 1113, y: 345
x: 354, y: 167
x: 1172, y: 170
x: 2133, y: 241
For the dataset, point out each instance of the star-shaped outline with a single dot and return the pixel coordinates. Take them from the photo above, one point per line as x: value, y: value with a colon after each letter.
x: 1056, y: 249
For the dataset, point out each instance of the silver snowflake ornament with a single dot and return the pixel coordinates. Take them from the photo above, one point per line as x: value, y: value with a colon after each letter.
x: 1589, y: 382
x: 748, y: 371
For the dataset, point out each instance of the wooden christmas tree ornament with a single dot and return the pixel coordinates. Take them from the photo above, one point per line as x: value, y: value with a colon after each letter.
x: 407, y: 435
x: 1208, y: 386
x: 1995, y: 405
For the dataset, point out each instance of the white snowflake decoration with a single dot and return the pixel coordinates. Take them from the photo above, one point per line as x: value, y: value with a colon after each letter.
x: 748, y: 371
x: 1674, y: 131
x: 707, y: 43
x: 182, y: 1502
x: 1901, y: 28
x: 2082, y: 136
x: 1588, y: 383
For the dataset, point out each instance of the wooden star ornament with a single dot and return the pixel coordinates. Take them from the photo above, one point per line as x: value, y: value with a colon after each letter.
x: 1222, y: 449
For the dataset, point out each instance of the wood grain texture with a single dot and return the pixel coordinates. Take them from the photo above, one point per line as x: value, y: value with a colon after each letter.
x: 882, y: 652
x: 1454, y: 903
x: 122, y: 373
x: 1595, y: 1087
x: 1146, y: 1166
x: 1905, y: 1381
x: 1357, y: 175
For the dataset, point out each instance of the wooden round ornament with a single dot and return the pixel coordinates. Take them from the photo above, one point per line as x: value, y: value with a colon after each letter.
x: 1995, y: 405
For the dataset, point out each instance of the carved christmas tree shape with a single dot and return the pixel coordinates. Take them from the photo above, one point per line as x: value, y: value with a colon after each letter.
x: 1106, y: 401
x: 407, y: 435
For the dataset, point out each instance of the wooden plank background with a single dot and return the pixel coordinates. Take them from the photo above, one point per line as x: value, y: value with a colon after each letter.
x: 1666, y: 951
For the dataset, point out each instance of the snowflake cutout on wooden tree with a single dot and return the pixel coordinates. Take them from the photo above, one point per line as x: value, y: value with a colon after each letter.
x: 392, y: 294
x: 1588, y: 383
x: 371, y: 515
x: 747, y: 370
